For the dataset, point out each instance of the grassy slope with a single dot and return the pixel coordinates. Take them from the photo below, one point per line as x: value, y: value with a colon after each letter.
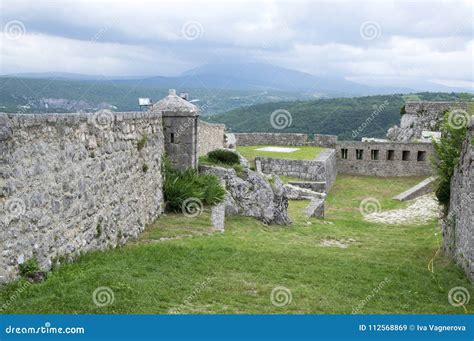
x: 304, y: 153
x: 235, y: 272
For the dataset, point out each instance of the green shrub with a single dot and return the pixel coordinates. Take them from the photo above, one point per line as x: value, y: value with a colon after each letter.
x: 224, y: 156
x: 142, y: 142
x: 447, y: 152
x: 181, y: 185
x: 29, y: 267
x: 402, y: 111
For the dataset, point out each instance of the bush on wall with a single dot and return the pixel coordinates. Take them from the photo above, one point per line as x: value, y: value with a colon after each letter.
x: 446, y: 157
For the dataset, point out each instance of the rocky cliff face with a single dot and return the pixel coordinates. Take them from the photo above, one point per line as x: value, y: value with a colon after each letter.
x: 421, y: 116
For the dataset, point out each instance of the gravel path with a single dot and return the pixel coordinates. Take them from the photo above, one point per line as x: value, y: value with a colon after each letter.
x: 420, y: 211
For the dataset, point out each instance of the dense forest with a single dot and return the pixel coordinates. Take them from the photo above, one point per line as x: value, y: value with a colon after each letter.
x: 338, y: 116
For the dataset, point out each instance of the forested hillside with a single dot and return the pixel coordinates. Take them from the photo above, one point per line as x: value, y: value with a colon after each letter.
x: 338, y: 116
x: 60, y: 95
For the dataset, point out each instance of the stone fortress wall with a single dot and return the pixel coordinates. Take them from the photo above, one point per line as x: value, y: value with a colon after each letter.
x: 321, y: 169
x: 459, y: 224
x: 210, y: 137
x: 71, y: 183
x: 384, y: 158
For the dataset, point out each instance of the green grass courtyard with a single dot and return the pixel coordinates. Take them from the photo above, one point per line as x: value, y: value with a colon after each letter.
x: 384, y: 269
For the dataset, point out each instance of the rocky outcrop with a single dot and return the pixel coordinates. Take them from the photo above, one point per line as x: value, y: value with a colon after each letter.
x: 419, y: 117
x: 251, y: 195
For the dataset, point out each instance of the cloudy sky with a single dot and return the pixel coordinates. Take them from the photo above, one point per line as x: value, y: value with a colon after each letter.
x: 397, y: 43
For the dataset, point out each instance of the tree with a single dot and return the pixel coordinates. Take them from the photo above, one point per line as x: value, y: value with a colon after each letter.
x: 447, y: 153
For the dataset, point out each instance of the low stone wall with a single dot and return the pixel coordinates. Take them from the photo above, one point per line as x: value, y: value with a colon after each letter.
x: 270, y: 139
x: 326, y: 141
x: 427, y: 108
x: 458, y: 233
x: 384, y: 159
x: 210, y: 137
x: 71, y: 183
x: 323, y: 168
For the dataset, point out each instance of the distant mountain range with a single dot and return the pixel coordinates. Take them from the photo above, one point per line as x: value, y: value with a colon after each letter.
x: 216, y: 88
x: 247, y: 77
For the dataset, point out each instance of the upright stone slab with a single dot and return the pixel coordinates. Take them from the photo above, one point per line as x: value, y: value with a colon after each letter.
x: 315, y: 208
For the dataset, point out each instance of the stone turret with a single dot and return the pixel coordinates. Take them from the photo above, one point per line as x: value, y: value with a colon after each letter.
x: 180, y: 128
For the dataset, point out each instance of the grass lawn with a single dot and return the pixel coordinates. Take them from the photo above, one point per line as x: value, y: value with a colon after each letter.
x: 303, y: 153
x: 384, y: 270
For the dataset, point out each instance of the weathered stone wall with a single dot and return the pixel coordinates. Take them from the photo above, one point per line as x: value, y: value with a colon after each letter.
x: 322, y: 140
x: 423, y: 108
x: 323, y: 168
x: 421, y: 116
x: 458, y: 226
x: 415, y: 164
x: 180, y: 139
x: 71, y: 183
x: 210, y: 137
x: 270, y: 139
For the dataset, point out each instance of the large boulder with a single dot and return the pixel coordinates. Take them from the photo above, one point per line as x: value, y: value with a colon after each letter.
x: 252, y: 195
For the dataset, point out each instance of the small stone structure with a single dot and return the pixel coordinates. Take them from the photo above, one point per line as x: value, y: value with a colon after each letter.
x: 210, y: 137
x: 300, y: 193
x: 323, y: 168
x: 315, y: 208
x: 384, y: 159
x: 420, y: 116
x: 316, y: 186
x: 180, y: 130
x: 458, y: 226
x: 424, y: 187
x: 71, y: 183
x: 325, y: 141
